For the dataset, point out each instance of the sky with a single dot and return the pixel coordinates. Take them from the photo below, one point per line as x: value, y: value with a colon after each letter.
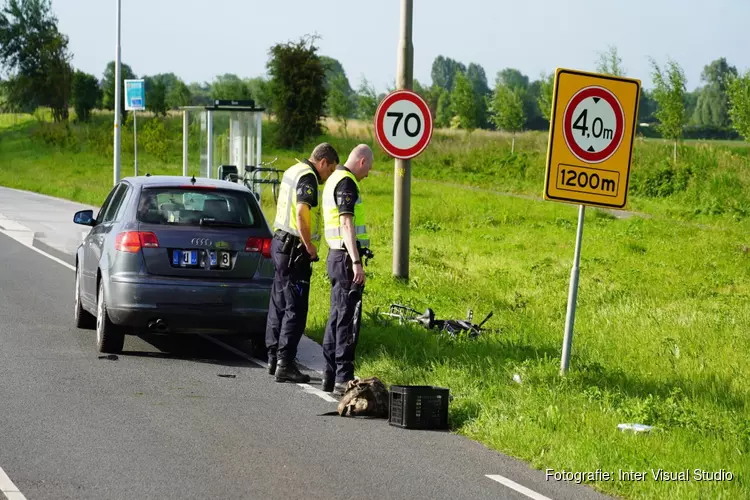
x: 198, y: 40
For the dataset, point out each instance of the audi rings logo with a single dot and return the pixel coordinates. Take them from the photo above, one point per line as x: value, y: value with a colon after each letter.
x: 201, y: 242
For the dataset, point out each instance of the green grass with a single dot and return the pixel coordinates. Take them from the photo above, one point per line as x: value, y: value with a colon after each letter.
x: 661, y: 327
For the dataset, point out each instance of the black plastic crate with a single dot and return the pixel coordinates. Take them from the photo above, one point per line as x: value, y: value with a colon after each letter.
x: 419, y: 407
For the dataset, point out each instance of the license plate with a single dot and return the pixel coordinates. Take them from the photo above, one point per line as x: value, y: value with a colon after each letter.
x: 185, y: 257
x: 224, y: 259
x: 220, y: 259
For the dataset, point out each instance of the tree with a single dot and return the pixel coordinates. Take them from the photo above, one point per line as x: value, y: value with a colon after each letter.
x: 712, y: 105
x: 201, y: 93
x: 156, y: 95
x: 610, y: 63
x: 507, y: 110
x: 341, y: 104
x: 544, y: 101
x: 229, y: 86
x: 108, y: 86
x: 85, y: 93
x: 444, y: 71
x: 259, y: 90
x: 646, y: 107
x: 36, y: 57
x: 179, y: 95
x: 335, y: 70
x: 738, y: 89
x: 298, y: 90
x: 367, y: 100
x: 669, y: 93
x: 464, y: 103
x: 511, y: 77
x: 444, y: 110
x: 476, y: 75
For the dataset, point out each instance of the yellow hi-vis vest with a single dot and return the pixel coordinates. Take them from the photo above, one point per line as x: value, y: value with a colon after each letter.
x: 286, y: 207
x: 333, y: 231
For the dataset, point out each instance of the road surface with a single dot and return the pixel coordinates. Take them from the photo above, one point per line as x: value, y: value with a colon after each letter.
x: 195, y: 418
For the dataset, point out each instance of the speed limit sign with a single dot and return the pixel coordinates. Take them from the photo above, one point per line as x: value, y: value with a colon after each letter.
x: 403, y: 124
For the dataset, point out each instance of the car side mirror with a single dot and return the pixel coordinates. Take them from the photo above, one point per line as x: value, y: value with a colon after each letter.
x: 84, y: 217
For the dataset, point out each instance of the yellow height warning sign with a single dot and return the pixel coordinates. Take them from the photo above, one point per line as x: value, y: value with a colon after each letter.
x: 592, y: 128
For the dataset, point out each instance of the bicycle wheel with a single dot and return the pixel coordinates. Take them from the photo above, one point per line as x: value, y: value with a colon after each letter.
x: 275, y: 188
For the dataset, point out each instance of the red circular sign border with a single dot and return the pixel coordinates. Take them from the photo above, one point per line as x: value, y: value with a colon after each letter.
x: 411, y: 96
x: 607, y: 95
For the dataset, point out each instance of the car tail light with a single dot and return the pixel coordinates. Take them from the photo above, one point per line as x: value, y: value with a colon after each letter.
x: 133, y: 241
x: 262, y: 245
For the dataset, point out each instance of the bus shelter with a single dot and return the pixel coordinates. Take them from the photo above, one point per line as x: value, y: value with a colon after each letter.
x: 228, y: 137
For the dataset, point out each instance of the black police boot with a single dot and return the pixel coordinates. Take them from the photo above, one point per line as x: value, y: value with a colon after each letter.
x: 271, y: 366
x: 288, y: 372
x: 339, y: 388
x: 327, y: 384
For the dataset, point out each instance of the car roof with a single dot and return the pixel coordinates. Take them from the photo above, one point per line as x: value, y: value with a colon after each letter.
x: 179, y: 180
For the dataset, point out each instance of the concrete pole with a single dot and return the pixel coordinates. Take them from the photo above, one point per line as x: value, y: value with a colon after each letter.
x: 185, y: 132
x: 117, y: 97
x: 402, y: 177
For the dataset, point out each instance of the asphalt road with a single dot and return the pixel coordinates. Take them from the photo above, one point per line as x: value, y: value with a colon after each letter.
x: 161, y: 422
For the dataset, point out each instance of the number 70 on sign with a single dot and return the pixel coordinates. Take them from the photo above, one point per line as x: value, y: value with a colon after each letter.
x: 403, y: 124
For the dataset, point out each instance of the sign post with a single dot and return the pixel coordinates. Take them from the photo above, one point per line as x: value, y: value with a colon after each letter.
x: 403, y: 128
x: 118, y: 57
x: 135, y: 100
x: 589, y: 154
x: 402, y: 166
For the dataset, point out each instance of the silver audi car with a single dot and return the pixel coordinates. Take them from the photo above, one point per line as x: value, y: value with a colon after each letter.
x: 173, y: 255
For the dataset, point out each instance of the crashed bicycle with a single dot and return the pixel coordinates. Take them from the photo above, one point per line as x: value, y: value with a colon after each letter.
x: 452, y: 327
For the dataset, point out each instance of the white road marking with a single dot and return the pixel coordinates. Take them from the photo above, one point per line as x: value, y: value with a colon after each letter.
x: 234, y: 350
x: 515, y: 486
x: 322, y: 395
x: 11, y: 225
x: 9, y: 489
x: 307, y: 387
x: 25, y: 237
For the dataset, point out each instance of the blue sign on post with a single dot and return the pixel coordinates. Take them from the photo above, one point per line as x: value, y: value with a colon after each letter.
x: 135, y: 95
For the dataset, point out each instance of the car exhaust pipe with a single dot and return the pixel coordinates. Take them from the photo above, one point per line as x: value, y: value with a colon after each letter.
x: 158, y: 325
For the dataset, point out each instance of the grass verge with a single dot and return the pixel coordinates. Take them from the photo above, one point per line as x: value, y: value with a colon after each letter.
x: 660, y: 331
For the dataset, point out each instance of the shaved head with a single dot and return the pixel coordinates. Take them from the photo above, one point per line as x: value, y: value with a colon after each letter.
x: 360, y: 161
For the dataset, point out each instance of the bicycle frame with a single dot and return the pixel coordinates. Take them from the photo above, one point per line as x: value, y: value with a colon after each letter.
x: 256, y: 176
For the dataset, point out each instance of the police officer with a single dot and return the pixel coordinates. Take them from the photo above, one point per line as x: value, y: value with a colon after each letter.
x: 297, y: 226
x: 346, y: 235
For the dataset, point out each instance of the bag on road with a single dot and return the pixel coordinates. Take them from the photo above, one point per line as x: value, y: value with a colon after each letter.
x: 365, y: 398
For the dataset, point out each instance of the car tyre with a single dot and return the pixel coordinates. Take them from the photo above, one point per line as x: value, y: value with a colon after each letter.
x: 83, y: 318
x: 110, y: 338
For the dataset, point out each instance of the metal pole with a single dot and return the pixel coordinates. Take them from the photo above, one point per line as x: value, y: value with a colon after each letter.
x: 259, y: 150
x: 135, y: 143
x: 572, y: 296
x: 210, y: 140
x: 117, y: 97
x: 402, y: 177
x: 185, y: 132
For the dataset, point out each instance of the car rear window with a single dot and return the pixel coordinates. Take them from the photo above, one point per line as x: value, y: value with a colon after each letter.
x: 195, y: 207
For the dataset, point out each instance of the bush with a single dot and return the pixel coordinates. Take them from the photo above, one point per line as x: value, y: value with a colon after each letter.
x: 56, y: 134
x: 298, y: 91
x: 154, y: 138
x: 86, y: 94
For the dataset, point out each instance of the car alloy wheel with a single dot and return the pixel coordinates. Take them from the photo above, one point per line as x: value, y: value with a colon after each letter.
x: 100, y: 315
x: 109, y: 337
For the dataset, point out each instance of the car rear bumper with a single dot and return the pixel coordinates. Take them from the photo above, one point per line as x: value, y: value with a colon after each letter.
x: 189, y: 306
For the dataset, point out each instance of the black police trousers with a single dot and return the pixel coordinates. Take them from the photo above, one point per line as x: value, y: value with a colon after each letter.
x: 342, y: 330
x: 287, y: 311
